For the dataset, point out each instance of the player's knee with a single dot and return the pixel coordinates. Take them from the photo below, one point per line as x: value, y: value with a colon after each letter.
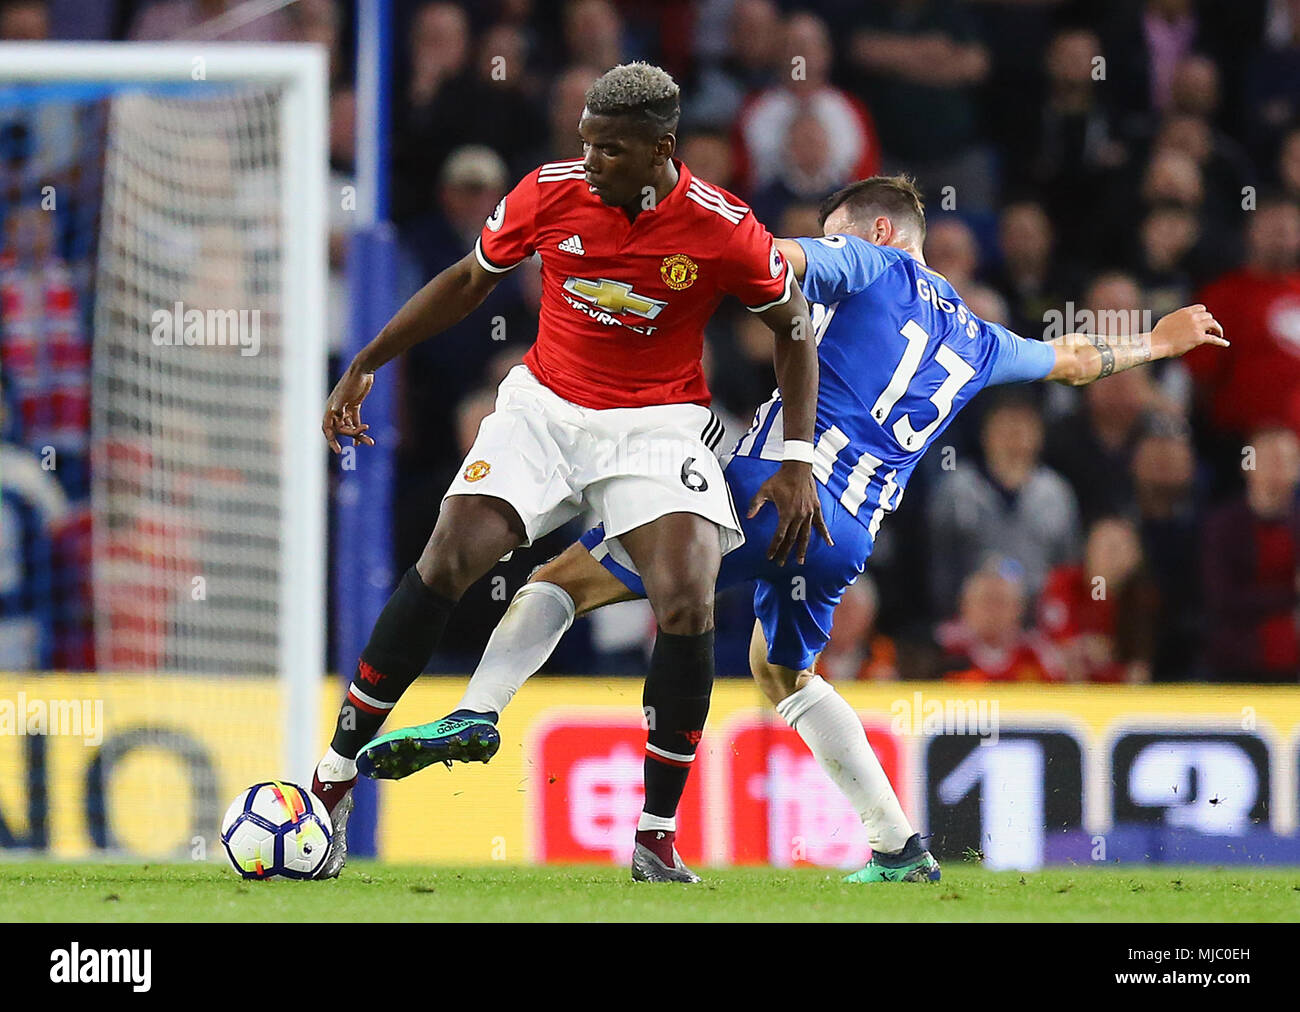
x: 684, y: 610
x: 447, y: 567
x: 471, y: 534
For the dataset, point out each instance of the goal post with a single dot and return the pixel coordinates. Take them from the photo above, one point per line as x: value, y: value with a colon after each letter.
x: 289, y: 275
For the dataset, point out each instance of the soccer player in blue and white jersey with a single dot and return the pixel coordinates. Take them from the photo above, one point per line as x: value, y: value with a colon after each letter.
x: 900, y: 354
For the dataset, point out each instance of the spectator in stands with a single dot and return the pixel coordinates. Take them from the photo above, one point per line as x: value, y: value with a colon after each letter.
x: 24, y: 21
x: 952, y: 250
x: 804, y: 88
x: 1271, y: 95
x: 440, y: 47
x: 710, y: 157
x: 799, y: 218
x: 44, y: 346
x: 808, y: 172
x: 430, y: 115
x: 1168, y: 522
x: 567, y: 98
x: 1257, y: 384
x: 1101, y: 612
x: 1093, y: 446
x: 593, y: 33
x: 1171, y: 178
x: 1251, y: 553
x: 1007, y: 504
x: 1164, y: 261
x: 472, y: 181
x: 920, y: 64
x: 987, y: 303
x: 987, y: 640
x: 857, y: 650
x: 1031, y: 278
x: 1074, y: 148
x: 1170, y: 30
x: 32, y: 509
x: 1194, y: 88
x: 493, y: 103
x: 1225, y: 171
x: 748, y: 64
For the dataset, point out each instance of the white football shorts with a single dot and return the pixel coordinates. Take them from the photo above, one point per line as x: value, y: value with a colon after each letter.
x: 550, y: 459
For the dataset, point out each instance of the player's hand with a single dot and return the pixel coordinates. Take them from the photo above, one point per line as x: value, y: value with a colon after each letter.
x: 1187, y: 328
x: 343, y: 410
x: 793, y: 492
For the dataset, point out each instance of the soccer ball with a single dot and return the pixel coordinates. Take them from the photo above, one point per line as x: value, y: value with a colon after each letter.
x: 276, y: 828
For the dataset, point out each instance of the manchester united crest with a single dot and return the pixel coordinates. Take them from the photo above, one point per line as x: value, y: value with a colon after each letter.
x: 477, y: 470
x: 679, y: 271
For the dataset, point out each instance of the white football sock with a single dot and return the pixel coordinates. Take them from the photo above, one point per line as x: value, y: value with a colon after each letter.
x: 832, y: 731
x: 525, y: 637
x: 667, y: 824
x: 335, y: 768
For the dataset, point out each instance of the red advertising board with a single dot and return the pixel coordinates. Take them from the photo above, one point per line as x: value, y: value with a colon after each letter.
x: 784, y: 809
x: 588, y: 791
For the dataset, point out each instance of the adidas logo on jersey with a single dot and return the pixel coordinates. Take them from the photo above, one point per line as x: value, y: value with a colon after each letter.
x: 573, y: 244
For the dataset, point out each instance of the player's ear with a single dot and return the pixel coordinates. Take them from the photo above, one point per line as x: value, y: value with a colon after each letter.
x: 664, y: 148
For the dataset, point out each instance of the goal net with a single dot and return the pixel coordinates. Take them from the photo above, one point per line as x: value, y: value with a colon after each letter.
x: 198, y: 285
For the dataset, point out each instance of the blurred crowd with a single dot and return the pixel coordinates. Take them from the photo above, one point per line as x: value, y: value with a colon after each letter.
x: 1088, y: 165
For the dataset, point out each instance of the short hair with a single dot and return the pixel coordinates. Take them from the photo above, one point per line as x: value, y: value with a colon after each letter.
x: 896, y: 197
x: 639, y: 90
x: 1010, y: 398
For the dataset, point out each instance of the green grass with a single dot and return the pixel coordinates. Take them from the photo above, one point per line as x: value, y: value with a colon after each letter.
x: 47, y: 891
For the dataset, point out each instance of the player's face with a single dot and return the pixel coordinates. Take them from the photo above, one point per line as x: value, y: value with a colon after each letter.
x: 619, y: 161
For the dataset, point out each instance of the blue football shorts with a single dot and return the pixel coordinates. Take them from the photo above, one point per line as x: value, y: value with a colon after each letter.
x: 794, y: 603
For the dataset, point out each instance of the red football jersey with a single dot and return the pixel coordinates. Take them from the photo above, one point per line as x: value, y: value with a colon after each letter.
x: 624, y: 302
x: 1257, y: 381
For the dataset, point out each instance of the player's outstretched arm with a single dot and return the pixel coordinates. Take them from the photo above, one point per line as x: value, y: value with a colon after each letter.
x: 446, y: 300
x: 792, y: 489
x: 1082, y: 358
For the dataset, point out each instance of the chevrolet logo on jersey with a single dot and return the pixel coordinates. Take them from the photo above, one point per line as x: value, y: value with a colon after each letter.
x: 614, y: 296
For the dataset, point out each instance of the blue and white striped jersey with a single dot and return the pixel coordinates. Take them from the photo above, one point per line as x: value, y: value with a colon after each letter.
x: 900, y: 355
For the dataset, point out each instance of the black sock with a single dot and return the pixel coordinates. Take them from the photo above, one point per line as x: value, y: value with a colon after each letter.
x: 912, y: 849
x: 404, y: 636
x: 676, y: 702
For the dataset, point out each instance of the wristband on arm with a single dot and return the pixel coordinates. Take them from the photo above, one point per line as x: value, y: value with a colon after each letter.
x: 800, y: 450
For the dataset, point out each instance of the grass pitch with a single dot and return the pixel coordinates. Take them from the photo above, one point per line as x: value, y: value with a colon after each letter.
x: 90, y: 892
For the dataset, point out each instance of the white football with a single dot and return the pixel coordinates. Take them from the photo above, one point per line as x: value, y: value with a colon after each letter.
x: 277, y: 828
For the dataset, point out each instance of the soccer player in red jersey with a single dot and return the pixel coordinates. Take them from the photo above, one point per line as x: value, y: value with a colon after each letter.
x: 609, y: 412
